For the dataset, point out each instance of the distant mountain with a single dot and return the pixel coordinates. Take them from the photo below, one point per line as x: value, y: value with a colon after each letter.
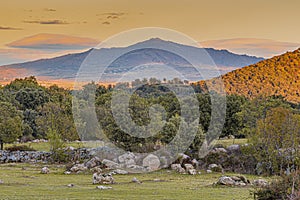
x: 65, y: 67
x: 279, y: 75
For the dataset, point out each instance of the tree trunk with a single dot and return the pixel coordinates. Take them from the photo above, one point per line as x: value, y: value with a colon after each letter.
x: 1, y: 145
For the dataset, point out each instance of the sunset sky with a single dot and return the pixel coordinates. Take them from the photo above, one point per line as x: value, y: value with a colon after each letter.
x: 256, y: 27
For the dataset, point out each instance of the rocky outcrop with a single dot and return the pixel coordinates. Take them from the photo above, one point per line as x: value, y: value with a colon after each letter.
x: 233, y: 181
x: 99, y: 178
x: 260, y: 183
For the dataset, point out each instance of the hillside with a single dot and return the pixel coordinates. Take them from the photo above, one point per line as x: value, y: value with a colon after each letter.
x: 279, y: 75
x: 65, y: 67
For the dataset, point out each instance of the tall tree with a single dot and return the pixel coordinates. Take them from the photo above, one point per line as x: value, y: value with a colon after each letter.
x: 10, y: 123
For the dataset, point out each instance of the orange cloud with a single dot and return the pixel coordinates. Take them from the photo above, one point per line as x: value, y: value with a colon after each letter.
x: 53, y: 41
x: 252, y: 46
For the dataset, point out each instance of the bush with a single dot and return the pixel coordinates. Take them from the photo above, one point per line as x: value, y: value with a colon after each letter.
x: 20, y: 148
x: 287, y: 188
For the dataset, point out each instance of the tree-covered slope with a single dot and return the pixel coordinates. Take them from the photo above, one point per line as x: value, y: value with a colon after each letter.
x: 279, y: 75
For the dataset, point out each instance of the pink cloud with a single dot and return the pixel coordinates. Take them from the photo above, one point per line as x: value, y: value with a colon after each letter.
x: 252, y: 46
x: 53, y: 41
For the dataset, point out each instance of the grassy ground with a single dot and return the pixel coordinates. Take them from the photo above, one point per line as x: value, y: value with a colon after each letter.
x: 24, y: 181
x: 228, y: 142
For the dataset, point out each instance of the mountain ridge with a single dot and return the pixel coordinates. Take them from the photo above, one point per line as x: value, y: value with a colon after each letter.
x: 65, y: 67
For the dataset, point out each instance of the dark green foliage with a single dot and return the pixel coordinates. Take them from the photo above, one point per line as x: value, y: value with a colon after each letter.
x: 10, y: 123
x: 20, y: 148
x: 286, y: 188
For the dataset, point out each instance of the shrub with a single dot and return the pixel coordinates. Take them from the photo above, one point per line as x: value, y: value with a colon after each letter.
x: 287, y: 188
x: 20, y: 148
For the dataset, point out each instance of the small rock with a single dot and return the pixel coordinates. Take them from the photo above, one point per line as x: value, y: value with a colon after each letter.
x: 67, y: 172
x: 178, y: 168
x: 45, y: 170
x: 101, y: 187
x: 208, y: 171
x: 192, y: 172
x: 1, y: 182
x: 135, y: 180
x: 71, y: 185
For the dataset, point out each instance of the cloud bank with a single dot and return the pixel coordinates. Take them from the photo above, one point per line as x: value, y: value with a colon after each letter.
x: 47, y: 41
x: 9, y: 28
x: 258, y: 47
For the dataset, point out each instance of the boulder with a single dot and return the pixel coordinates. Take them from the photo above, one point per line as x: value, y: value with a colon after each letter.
x: 110, y: 164
x: 183, y: 158
x: 215, y: 168
x: 99, y: 178
x: 219, y: 150
x: 192, y: 171
x: 77, y: 168
x: 260, y: 183
x: 226, y: 180
x: 152, y: 162
x: 178, y: 168
x: 233, y: 180
x: 137, y: 168
x: 45, y: 170
x: 120, y: 171
x: 127, y: 158
x: 233, y: 147
x: 188, y: 167
x: 92, y: 163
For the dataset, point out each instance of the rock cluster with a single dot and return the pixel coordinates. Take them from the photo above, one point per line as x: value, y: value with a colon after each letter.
x: 99, y: 178
x: 233, y: 181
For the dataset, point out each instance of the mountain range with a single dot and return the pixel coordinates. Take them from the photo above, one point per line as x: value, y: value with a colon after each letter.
x: 65, y: 68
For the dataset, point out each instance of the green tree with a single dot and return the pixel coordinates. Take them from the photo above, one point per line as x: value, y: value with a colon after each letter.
x: 277, y: 141
x: 10, y: 123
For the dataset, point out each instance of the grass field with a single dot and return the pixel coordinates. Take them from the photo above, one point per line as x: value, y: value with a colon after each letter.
x: 24, y: 181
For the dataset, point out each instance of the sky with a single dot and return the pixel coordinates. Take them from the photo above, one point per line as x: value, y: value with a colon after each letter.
x: 34, y: 29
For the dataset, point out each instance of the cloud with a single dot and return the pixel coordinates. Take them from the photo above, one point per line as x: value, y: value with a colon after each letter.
x: 47, y: 41
x: 106, y: 23
x: 49, y: 10
x: 56, y: 21
x: 118, y: 14
x: 9, y: 28
x: 14, y: 55
x: 111, y: 16
x: 252, y: 46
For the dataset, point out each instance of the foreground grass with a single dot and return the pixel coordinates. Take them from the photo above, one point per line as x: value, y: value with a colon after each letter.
x: 24, y: 181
